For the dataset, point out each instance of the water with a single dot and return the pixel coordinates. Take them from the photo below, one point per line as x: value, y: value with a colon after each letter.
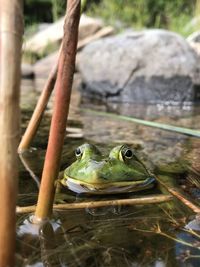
x: 148, y: 235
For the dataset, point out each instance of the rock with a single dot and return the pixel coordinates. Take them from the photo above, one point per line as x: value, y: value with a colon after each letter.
x: 151, y: 66
x: 43, y: 66
x: 53, y: 34
x: 105, y: 31
x: 42, y: 69
x: 88, y: 26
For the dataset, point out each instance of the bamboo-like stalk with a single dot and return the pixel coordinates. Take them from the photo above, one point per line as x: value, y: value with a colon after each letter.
x: 11, y: 30
x: 103, y: 203
x: 66, y: 67
x: 39, y: 109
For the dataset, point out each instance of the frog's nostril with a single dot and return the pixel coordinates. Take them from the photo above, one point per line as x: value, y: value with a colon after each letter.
x: 98, y: 176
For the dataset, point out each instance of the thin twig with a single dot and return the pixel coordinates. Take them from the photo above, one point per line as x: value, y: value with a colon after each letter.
x: 159, y: 232
x: 179, y: 195
x: 104, y: 203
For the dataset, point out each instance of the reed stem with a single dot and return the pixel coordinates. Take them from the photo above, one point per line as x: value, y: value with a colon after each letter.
x: 11, y: 30
x: 179, y: 195
x: 39, y: 109
x: 66, y: 67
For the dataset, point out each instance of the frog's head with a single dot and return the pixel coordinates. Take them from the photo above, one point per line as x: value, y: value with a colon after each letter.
x: 121, y: 171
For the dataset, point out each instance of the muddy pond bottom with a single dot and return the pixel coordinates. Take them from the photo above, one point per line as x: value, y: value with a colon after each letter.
x: 151, y: 235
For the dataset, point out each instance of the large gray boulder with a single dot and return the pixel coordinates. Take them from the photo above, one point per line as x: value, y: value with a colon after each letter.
x: 145, y: 67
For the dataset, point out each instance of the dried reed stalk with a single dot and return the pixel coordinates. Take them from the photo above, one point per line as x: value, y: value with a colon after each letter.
x: 103, y: 203
x: 66, y: 67
x: 39, y: 109
x: 179, y: 195
x: 106, y: 31
x: 11, y: 30
x: 47, y: 91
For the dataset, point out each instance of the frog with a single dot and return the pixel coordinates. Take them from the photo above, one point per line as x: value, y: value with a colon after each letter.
x: 120, y: 172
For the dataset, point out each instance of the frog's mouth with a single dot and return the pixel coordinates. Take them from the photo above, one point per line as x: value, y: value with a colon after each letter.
x: 108, y: 188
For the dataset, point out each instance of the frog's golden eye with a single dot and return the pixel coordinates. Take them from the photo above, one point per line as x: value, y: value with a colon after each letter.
x: 128, y: 153
x: 78, y: 152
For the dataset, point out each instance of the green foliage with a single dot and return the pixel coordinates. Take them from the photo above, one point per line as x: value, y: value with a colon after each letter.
x: 168, y: 14
x: 37, y: 11
x: 58, y: 8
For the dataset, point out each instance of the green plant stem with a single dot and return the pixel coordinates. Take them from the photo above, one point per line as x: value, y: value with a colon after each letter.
x: 159, y: 125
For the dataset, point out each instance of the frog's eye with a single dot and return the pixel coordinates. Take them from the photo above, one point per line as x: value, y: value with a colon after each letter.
x: 128, y: 153
x: 78, y: 152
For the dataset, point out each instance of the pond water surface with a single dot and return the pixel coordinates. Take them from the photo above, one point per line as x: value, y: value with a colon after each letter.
x: 143, y: 235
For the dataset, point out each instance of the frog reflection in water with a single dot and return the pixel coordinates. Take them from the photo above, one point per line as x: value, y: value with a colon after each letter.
x: 120, y: 172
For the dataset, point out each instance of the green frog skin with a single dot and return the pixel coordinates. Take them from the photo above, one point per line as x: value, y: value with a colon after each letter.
x: 120, y: 172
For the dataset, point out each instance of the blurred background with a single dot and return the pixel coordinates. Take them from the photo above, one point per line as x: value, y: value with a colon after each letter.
x: 181, y: 16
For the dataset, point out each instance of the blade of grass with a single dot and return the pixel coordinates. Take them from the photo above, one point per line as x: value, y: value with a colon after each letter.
x: 159, y: 125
